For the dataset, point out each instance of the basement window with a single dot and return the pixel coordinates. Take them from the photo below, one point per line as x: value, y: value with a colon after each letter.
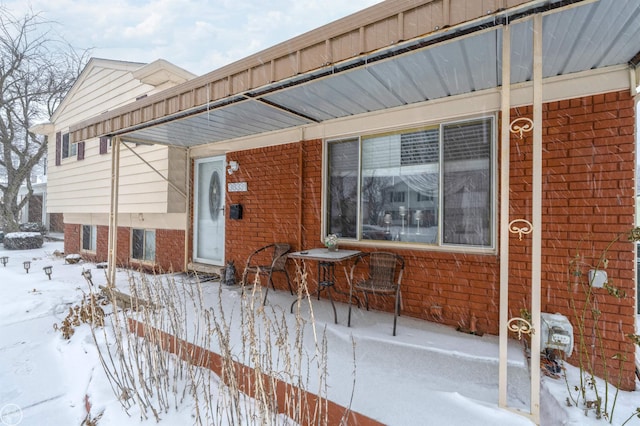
x: 89, y: 238
x: 143, y: 244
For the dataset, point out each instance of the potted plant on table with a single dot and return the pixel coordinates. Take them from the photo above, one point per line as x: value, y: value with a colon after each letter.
x: 331, y: 241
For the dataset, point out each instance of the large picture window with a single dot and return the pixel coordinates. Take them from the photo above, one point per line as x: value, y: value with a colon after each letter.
x: 143, y: 244
x: 431, y: 185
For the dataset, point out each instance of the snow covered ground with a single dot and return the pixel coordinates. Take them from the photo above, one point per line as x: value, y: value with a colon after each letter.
x: 427, y: 375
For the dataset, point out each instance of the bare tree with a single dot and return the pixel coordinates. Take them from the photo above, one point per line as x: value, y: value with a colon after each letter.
x: 36, y: 71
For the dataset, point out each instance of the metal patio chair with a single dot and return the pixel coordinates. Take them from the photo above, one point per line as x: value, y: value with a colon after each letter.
x: 265, y: 261
x: 382, y: 275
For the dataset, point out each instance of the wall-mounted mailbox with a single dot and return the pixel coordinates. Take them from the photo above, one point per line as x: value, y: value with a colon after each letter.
x: 557, y: 333
x: 235, y: 211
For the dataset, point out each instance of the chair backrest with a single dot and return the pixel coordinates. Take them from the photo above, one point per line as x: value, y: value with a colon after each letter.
x: 279, y: 259
x: 384, y: 267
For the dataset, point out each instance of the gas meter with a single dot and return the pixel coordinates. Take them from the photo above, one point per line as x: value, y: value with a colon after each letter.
x: 557, y: 333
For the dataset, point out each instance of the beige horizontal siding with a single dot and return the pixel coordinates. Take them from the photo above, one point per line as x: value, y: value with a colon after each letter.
x: 85, y: 185
x: 108, y: 88
x: 130, y: 220
x: 103, y: 90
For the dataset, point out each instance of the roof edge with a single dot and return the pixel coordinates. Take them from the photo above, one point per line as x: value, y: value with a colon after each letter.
x: 235, y: 79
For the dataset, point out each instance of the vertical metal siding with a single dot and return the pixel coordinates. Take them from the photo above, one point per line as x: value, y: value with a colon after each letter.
x: 313, y: 57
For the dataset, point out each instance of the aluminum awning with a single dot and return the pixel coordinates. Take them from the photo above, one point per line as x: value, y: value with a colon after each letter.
x: 577, y: 36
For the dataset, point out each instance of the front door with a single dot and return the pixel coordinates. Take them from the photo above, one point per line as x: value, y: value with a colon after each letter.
x: 208, y: 221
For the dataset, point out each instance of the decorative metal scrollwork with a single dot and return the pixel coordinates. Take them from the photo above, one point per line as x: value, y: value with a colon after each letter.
x: 520, y: 326
x: 520, y: 126
x: 522, y: 230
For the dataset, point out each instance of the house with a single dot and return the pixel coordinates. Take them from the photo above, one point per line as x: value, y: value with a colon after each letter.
x: 35, y: 210
x: 490, y: 143
x: 153, y: 192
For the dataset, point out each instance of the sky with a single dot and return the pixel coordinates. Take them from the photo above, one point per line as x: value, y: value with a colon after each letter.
x: 197, y: 35
x: 429, y: 374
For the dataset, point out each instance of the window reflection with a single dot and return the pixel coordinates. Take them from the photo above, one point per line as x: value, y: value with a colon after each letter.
x: 400, y: 174
x: 431, y: 185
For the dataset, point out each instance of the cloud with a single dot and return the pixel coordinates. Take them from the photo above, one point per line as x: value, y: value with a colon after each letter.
x: 198, y: 35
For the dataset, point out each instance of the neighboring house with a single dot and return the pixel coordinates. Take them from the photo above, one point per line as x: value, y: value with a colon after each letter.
x: 152, y: 196
x: 389, y: 128
x: 35, y: 208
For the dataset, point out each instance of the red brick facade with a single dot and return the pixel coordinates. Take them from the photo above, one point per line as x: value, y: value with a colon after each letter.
x: 169, y: 247
x: 72, y: 238
x: 588, y: 203
x: 285, y: 184
x: 588, y: 200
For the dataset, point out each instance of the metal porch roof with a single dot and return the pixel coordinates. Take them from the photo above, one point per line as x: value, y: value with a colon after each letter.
x: 582, y: 36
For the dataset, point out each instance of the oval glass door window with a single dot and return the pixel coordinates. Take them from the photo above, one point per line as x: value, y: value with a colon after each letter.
x: 214, y: 195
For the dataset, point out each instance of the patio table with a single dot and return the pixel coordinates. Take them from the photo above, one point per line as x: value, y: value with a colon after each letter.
x: 326, y: 270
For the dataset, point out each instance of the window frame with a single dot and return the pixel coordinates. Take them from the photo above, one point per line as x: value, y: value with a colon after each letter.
x: 439, y: 245
x: 65, y: 146
x: 93, y: 238
x: 73, y: 150
x: 68, y: 149
x: 144, y: 246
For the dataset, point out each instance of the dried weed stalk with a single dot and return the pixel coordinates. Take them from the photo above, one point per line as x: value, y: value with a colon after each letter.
x: 590, y: 346
x: 266, y: 367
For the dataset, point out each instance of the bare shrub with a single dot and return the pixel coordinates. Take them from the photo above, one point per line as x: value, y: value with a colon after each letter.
x: 23, y: 240
x: 264, y: 364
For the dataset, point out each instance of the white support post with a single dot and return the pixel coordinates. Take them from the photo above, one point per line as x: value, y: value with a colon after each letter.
x: 188, y: 222
x: 113, y: 214
x: 505, y: 136
x: 535, y: 225
x: 536, y: 249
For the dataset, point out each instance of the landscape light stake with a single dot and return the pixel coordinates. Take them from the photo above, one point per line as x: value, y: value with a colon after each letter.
x: 4, y: 260
x: 27, y: 265
x: 48, y: 270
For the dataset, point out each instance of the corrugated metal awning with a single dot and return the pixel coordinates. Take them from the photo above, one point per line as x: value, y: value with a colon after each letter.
x: 580, y: 36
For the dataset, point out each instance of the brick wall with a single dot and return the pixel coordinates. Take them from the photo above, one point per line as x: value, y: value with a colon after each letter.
x: 271, y: 206
x: 588, y: 199
x: 170, y: 249
x: 588, y: 210
x: 102, y: 243
x: 72, y: 238
x: 283, y: 203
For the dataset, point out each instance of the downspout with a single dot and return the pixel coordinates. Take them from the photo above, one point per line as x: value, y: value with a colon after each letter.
x: 113, y: 214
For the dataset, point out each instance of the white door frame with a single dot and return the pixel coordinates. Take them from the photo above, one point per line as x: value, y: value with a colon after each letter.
x: 215, y: 205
